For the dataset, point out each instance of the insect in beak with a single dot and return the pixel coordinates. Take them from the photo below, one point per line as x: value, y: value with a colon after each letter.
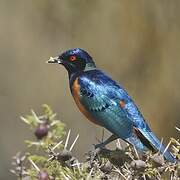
x: 54, y: 60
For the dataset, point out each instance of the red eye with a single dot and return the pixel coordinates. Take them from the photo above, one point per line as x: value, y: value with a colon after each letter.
x: 72, y: 58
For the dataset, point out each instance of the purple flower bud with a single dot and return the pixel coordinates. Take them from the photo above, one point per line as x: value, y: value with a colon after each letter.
x: 43, y: 175
x: 42, y: 130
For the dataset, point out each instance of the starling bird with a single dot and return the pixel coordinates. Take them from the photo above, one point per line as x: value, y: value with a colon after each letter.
x: 106, y: 103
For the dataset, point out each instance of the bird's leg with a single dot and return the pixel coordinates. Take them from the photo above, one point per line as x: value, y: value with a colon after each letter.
x: 107, y: 141
x: 98, y: 147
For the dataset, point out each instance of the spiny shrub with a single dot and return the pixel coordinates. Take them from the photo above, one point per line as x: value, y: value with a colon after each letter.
x: 49, y: 158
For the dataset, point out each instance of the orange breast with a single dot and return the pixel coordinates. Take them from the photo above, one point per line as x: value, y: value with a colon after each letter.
x: 75, y: 91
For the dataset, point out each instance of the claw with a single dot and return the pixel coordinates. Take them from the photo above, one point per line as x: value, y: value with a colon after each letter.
x: 94, y: 154
x: 100, y: 145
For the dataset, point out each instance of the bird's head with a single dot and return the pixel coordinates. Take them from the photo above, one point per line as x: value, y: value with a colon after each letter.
x: 74, y: 60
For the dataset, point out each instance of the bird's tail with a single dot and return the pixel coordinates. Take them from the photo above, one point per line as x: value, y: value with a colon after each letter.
x: 147, y: 140
x: 161, y: 148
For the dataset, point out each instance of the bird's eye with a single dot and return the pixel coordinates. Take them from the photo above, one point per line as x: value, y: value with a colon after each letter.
x: 72, y: 58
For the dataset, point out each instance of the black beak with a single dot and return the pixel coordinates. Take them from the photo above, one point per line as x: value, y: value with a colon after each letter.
x: 54, y: 60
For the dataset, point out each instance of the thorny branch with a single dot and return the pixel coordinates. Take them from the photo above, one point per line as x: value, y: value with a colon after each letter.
x: 52, y: 159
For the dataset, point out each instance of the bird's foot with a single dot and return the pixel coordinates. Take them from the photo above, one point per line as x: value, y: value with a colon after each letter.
x: 100, y: 148
x: 92, y: 155
x: 100, y: 145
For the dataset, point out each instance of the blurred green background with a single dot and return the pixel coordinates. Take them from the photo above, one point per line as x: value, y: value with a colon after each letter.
x: 136, y: 42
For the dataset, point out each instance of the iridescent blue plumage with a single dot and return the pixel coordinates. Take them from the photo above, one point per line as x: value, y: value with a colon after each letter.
x: 106, y: 103
x: 100, y: 95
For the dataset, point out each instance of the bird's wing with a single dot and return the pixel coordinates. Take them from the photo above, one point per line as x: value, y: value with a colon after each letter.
x: 110, y: 104
x: 105, y: 109
x: 100, y: 92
